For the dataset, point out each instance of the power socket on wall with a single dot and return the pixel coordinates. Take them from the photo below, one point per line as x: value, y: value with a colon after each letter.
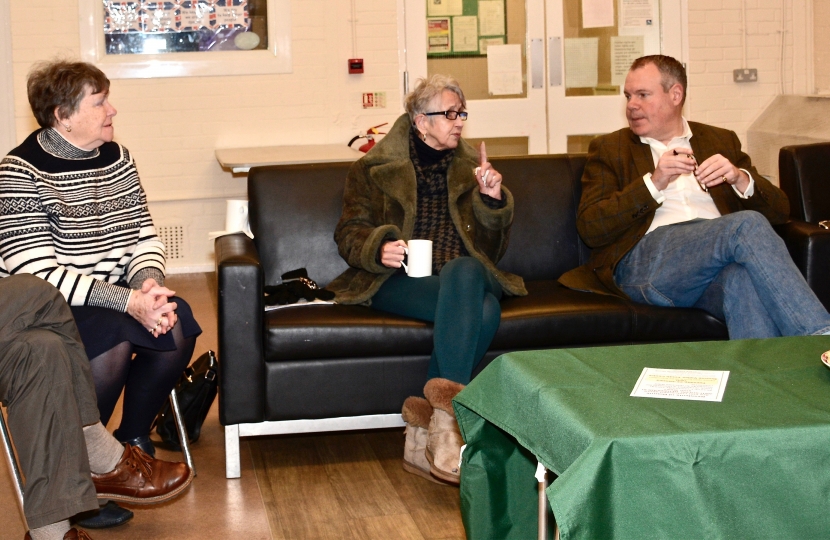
x: 745, y: 75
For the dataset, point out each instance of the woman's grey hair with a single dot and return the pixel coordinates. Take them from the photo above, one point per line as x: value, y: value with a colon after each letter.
x: 61, y: 85
x: 419, y: 100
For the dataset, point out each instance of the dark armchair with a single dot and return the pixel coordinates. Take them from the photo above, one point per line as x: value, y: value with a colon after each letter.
x: 804, y: 174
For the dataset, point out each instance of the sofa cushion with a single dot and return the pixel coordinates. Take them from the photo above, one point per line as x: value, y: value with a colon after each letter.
x: 544, y: 242
x: 293, y: 212
x: 543, y: 239
x: 338, y: 331
x: 549, y: 316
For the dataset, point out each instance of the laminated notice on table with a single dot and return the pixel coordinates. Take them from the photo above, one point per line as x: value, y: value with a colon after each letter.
x: 689, y: 384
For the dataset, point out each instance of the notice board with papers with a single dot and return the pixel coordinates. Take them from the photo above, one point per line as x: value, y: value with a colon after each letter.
x: 464, y: 27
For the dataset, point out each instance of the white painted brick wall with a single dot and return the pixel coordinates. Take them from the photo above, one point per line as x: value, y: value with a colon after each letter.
x: 173, y: 126
x: 821, y: 38
x: 715, y: 49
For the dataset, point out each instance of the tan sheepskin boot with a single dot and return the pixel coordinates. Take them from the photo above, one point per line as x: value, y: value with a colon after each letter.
x: 416, y: 413
x: 443, y: 438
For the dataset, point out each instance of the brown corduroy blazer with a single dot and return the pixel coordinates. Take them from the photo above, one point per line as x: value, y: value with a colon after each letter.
x: 616, y: 208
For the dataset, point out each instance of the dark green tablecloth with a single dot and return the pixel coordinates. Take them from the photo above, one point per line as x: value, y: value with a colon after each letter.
x: 756, y: 465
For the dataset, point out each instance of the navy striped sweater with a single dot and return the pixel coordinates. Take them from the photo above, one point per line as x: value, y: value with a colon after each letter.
x: 77, y: 219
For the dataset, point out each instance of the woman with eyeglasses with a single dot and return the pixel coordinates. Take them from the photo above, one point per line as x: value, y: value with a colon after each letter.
x: 423, y: 181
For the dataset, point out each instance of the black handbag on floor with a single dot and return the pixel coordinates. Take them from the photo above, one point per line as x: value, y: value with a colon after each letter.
x: 196, y: 391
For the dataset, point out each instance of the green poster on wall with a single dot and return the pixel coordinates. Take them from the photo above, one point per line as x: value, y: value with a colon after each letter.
x: 464, y: 27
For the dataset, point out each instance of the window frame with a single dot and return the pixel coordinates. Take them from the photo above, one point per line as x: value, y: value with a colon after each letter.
x: 275, y: 59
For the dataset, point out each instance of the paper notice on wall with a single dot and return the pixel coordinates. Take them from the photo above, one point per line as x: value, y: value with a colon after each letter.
x: 444, y: 8
x: 504, y: 69
x: 689, y: 384
x: 491, y: 17
x: 597, y: 13
x: 438, y: 35
x: 483, y: 43
x: 581, y: 55
x: 624, y: 50
x: 636, y: 13
x: 465, y: 34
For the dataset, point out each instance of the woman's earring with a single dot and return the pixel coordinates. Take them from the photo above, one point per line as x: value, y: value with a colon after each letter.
x: 67, y: 128
x: 424, y: 135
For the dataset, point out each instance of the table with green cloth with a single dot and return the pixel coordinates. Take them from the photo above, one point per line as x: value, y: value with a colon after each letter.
x: 756, y: 465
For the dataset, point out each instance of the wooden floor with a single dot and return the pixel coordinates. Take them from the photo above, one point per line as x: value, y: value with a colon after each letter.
x: 346, y: 485
x: 350, y: 486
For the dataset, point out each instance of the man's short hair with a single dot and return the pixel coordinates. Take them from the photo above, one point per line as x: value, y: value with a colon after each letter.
x: 672, y: 72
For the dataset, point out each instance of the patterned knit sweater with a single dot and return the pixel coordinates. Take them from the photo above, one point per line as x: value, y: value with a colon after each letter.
x: 77, y: 219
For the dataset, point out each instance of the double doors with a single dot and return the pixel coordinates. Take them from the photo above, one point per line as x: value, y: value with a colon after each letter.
x: 540, y: 76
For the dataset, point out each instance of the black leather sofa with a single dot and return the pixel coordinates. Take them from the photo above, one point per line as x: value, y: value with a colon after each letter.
x: 336, y: 367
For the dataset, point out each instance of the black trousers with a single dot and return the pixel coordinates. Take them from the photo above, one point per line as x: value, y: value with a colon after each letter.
x: 46, y: 384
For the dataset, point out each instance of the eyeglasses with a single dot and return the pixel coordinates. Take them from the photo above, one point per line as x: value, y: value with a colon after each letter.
x: 449, y: 115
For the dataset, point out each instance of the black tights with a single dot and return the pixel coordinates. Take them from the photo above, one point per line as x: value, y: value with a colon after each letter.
x: 146, y: 380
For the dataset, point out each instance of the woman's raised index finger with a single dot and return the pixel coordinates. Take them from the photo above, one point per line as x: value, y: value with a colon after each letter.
x: 482, y: 151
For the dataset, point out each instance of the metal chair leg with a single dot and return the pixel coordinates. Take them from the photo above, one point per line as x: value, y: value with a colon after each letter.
x: 542, y: 479
x: 9, y: 451
x: 180, y: 427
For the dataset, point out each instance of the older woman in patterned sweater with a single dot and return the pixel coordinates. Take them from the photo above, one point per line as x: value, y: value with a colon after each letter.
x: 73, y: 212
x: 422, y: 181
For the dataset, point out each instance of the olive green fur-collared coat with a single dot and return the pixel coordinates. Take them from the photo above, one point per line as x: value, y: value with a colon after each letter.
x: 380, y: 203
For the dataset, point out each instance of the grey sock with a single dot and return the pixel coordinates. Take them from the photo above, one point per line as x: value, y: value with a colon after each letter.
x: 104, y: 450
x: 55, y: 531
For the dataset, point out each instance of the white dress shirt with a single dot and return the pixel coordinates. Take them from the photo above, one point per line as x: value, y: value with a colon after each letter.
x: 683, y: 199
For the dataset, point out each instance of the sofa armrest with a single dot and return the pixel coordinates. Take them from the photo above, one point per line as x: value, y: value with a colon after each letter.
x: 241, y: 360
x: 809, y: 246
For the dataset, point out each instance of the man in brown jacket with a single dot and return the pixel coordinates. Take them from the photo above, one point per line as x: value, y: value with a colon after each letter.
x: 677, y: 215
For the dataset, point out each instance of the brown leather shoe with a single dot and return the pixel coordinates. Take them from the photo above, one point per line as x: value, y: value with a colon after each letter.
x: 71, y: 534
x: 140, y: 479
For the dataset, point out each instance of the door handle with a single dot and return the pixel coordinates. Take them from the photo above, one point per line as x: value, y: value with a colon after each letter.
x: 537, y: 63
x: 555, y: 61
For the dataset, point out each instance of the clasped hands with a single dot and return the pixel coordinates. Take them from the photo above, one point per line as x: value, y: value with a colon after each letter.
x: 150, y: 306
x: 712, y: 172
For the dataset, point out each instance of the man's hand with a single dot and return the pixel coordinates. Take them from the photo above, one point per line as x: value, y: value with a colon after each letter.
x: 717, y: 170
x: 671, y: 165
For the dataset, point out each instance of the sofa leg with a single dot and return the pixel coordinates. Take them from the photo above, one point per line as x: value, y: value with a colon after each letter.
x: 232, y: 464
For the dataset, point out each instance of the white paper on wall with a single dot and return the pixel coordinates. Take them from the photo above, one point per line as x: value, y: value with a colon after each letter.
x: 483, y: 43
x: 624, y: 50
x: 504, y: 69
x: 597, y: 13
x: 636, y: 13
x: 581, y: 56
x: 444, y: 8
x: 465, y: 34
x: 491, y: 17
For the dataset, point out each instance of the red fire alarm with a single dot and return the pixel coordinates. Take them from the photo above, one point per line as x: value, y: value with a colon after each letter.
x: 355, y: 65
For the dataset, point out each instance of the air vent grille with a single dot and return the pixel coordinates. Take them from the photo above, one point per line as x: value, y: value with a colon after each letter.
x: 173, y: 239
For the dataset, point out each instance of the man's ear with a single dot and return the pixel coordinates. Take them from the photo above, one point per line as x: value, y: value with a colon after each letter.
x: 676, y: 93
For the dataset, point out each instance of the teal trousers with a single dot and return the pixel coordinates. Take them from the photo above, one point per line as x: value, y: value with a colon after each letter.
x: 462, y: 302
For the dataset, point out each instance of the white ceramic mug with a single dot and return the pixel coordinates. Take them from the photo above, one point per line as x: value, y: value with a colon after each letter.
x: 419, y: 257
x: 236, y: 215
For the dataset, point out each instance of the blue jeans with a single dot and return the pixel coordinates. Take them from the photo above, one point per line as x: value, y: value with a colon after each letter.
x: 462, y: 302
x: 735, y: 267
